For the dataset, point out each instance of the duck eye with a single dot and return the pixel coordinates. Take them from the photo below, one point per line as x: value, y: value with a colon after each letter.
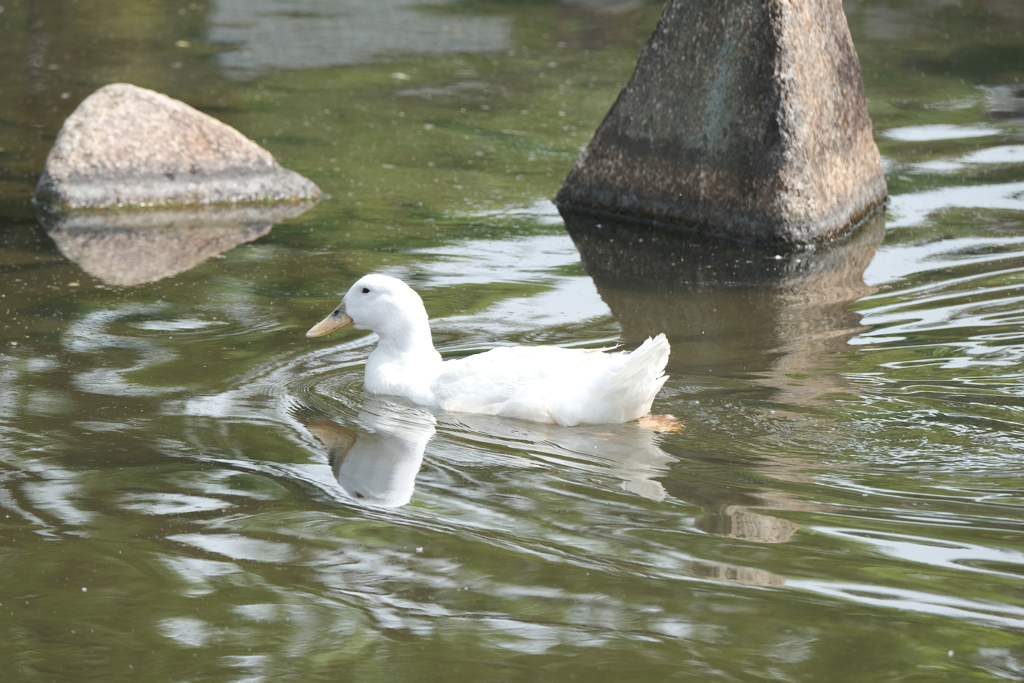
x: 366, y: 290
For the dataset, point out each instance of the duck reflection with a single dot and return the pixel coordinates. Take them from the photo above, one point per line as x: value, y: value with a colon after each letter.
x: 627, y: 451
x: 135, y: 247
x: 377, y: 463
x: 731, y: 309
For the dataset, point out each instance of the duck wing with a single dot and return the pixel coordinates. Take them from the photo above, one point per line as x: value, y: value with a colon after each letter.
x: 552, y: 384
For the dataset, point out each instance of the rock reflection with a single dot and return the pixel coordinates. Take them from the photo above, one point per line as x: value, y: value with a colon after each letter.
x: 1006, y: 104
x: 376, y: 463
x: 734, y: 521
x: 135, y: 247
x: 728, y: 307
x: 729, y: 510
x: 748, y: 576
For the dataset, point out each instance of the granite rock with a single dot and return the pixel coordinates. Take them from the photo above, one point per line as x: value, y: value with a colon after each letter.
x: 126, y: 146
x: 745, y: 119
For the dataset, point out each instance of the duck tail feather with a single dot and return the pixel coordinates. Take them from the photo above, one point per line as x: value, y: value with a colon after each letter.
x: 648, y: 361
x: 631, y: 388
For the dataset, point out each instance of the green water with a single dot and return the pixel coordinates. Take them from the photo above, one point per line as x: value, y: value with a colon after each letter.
x: 843, y: 504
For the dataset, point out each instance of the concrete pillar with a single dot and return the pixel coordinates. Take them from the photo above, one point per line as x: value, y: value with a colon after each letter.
x: 744, y: 119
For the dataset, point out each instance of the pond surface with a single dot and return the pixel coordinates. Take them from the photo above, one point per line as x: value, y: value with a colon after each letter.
x: 191, y: 490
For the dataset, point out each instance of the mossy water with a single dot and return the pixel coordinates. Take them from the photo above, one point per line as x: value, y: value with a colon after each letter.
x: 844, y: 502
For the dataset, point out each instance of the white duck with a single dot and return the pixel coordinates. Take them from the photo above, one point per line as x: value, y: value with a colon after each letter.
x: 539, y: 383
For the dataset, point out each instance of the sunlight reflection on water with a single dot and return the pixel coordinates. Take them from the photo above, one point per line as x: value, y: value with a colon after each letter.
x: 913, y: 209
x: 274, y: 35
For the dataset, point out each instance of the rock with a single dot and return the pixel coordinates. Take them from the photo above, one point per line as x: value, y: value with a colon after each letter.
x: 127, y: 248
x: 126, y: 146
x: 744, y: 119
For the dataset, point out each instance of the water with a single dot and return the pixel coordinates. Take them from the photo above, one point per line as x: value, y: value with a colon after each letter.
x: 844, y: 502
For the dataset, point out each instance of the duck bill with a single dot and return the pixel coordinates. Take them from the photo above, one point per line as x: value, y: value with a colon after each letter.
x: 338, y: 318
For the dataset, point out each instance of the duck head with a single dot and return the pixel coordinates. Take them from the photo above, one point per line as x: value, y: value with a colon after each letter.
x: 376, y: 302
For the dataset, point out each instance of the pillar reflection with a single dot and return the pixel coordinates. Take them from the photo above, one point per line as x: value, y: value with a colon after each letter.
x: 730, y: 309
x: 774, y: 319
